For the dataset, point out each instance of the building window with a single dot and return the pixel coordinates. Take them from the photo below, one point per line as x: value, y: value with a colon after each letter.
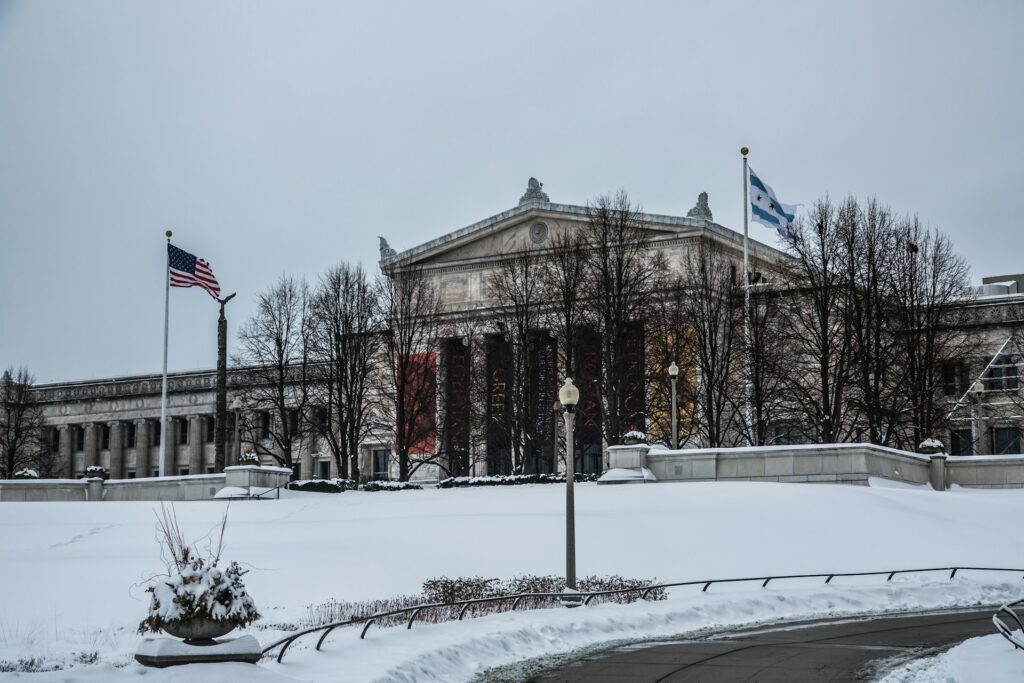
x: 209, y: 428
x: 1006, y: 440
x: 183, y: 471
x: 54, y: 440
x: 1002, y: 374
x: 787, y: 435
x: 265, y: 425
x: 960, y: 442
x: 155, y: 430
x: 296, y: 471
x: 130, y: 474
x: 380, y: 463
x: 156, y: 472
x: 293, y: 423
x: 320, y: 419
x: 78, y: 434
x: 129, y: 435
x: 104, y: 437
x: 209, y: 470
x: 325, y: 468
x: 182, y: 428
x: 955, y: 379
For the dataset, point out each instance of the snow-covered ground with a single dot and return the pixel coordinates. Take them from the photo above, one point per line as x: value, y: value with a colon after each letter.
x: 989, y: 659
x: 74, y: 572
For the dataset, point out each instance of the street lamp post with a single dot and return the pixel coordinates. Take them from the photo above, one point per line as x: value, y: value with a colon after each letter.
x: 569, y: 396
x: 976, y: 391
x: 236, y: 405
x: 673, y: 374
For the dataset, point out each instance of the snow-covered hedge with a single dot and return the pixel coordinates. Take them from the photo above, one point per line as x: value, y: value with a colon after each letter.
x: 26, y: 473
x: 634, y: 437
x: 390, y: 486
x: 200, y: 592
x: 96, y: 471
x: 511, y: 480
x: 249, y: 459
x: 323, y: 485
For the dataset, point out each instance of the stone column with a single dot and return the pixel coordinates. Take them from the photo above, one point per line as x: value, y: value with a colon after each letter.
x: 142, y: 437
x: 90, y: 453
x: 195, y: 445
x: 65, y: 451
x: 116, y: 450
x: 937, y: 471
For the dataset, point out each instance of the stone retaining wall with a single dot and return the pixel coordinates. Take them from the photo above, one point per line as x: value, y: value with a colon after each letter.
x: 198, y: 487
x: 834, y: 463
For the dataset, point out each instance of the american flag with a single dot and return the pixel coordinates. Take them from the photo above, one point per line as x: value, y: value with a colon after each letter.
x: 188, y: 271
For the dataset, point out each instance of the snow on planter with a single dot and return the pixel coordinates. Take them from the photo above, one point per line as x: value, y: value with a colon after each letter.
x: 200, y: 592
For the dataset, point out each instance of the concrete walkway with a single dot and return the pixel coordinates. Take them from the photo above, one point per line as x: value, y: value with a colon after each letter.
x: 835, y: 650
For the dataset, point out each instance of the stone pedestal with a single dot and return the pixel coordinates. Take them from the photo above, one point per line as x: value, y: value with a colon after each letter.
x: 937, y: 471
x: 163, y: 652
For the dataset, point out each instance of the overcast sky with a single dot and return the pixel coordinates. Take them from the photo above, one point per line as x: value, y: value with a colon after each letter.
x: 284, y: 137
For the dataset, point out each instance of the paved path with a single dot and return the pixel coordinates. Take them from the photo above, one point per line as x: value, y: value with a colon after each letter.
x: 836, y: 650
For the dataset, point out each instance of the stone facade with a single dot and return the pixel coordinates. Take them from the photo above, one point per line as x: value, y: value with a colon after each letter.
x: 114, y: 422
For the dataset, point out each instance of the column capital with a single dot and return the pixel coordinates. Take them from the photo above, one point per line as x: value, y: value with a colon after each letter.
x: 113, y: 423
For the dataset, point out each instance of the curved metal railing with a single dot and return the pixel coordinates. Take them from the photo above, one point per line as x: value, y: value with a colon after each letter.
x: 585, y: 598
x: 1004, y: 629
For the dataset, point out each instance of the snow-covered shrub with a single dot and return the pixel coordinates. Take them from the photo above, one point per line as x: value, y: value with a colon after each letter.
x: 194, y: 587
x: 512, y: 480
x: 323, y: 485
x: 26, y: 473
x: 390, y: 486
x: 444, y: 589
x: 201, y: 592
x: 634, y: 437
x: 96, y: 471
x: 248, y: 459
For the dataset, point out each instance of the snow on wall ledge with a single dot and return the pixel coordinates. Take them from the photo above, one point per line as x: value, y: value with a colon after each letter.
x: 853, y: 463
x: 195, y: 487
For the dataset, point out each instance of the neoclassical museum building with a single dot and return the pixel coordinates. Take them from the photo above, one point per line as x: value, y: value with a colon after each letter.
x: 113, y: 422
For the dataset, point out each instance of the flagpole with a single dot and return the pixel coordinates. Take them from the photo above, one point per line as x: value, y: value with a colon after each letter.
x: 163, y: 385
x: 746, y: 303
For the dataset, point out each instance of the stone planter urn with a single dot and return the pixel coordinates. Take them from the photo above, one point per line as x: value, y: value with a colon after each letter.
x: 198, y: 630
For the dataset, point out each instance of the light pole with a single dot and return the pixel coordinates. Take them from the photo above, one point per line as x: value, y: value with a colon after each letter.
x: 673, y: 374
x: 569, y: 396
x: 976, y: 390
x: 236, y: 405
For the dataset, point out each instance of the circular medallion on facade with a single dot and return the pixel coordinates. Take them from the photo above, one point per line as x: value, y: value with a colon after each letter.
x: 538, y: 232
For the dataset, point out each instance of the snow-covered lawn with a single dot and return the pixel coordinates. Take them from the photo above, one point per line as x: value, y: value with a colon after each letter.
x: 68, y: 569
x: 989, y: 659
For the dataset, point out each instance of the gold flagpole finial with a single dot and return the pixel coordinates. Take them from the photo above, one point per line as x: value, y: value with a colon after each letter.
x: 168, y: 234
x: 744, y: 151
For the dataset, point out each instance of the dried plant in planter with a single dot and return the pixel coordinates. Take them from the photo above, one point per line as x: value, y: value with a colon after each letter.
x: 195, y: 590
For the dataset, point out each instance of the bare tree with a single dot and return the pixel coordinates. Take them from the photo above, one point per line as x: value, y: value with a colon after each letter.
x: 407, y: 387
x: 21, y: 424
x: 670, y: 340
x: 563, y: 275
x: 346, y: 336
x: 516, y: 286
x: 463, y: 412
x: 819, y: 322
x: 771, y: 363
x: 713, y: 305
x: 870, y: 244
x: 930, y: 282
x: 622, y: 273
x: 276, y: 348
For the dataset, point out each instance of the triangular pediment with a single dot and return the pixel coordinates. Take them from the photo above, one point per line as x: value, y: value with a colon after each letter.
x: 516, y: 230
